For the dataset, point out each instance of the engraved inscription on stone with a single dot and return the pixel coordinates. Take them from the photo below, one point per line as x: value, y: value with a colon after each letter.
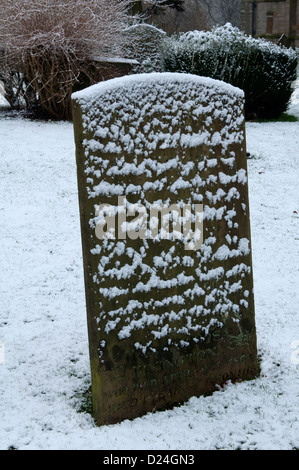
x: 163, y: 197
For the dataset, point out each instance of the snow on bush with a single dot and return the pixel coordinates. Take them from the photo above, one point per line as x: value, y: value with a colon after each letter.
x: 264, y: 70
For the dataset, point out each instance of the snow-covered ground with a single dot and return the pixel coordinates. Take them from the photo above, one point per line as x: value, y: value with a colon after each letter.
x: 44, y: 363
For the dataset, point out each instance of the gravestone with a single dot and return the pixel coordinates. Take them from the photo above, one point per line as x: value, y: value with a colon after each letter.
x: 144, y: 43
x: 163, y: 196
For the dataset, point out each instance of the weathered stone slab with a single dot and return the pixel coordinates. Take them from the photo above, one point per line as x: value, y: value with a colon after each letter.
x: 166, y: 322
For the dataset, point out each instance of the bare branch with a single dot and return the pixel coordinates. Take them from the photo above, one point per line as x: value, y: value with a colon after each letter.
x: 223, y: 11
x: 52, y: 41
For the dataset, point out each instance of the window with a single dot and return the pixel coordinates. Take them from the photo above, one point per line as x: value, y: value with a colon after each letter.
x: 269, y: 26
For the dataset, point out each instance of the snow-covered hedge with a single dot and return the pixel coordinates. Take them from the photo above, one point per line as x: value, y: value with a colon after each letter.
x: 263, y: 70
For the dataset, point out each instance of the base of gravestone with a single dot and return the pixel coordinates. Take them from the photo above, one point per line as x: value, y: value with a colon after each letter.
x: 133, y: 383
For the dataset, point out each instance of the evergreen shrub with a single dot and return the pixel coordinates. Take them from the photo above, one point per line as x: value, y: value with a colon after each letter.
x: 264, y: 70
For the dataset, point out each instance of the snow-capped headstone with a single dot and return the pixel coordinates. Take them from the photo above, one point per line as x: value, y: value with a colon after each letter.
x: 170, y: 303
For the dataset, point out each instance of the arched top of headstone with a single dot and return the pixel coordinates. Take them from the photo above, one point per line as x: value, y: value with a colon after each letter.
x: 163, y: 119
x: 167, y: 111
x: 137, y: 82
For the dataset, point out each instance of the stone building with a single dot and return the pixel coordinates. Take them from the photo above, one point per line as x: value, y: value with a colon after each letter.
x: 276, y: 20
x: 273, y: 20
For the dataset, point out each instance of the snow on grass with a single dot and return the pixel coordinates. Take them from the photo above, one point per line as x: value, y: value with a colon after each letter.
x: 44, y: 378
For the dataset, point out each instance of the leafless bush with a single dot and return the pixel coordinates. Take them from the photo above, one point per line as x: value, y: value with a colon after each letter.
x: 49, y: 45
